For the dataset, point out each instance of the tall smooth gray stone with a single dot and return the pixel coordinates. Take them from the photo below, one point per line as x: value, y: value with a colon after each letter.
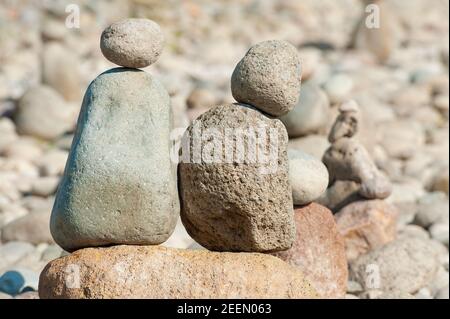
x: 119, y: 185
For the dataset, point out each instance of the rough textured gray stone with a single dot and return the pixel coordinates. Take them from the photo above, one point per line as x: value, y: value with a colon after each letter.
x: 268, y: 77
x: 133, y: 43
x: 238, y: 205
x: 310, y: 114
x: 119, y: 185
x: 405, y: 265
x: 308, y: 177
x: 347, y: 123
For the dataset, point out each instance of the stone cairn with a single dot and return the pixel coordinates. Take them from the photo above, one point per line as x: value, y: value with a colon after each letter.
x: 353, y: 175
x: 347, y: 159
x: 365, y: 220
x: 119, y: 199
x: 119, y: 185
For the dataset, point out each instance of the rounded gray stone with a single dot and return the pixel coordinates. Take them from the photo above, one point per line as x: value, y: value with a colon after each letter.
x: 406, y: 265
x: 119, y: 185
x: 432, y: 208
x: 310, y: 114
x: 315, y: 145
x: 32, y: 228
x: 61, y: 70
x: 237, y: 205
x: 133, y: 43
x: 268, y: 77
x: 43, y: 113
x: 308, y: 177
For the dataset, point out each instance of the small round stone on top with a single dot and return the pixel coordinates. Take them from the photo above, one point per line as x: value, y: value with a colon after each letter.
x: 268, y: 77
x: 132, y: 43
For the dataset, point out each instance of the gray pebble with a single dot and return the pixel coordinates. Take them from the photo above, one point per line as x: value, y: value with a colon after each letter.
x: 406, y: 264
x: 132, y: 43
x: 268, y: 77
x: 42, y: 112
x: 310, y: 114
x: 308, y: 177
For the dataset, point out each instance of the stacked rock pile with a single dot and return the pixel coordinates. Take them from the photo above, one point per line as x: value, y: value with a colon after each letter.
x: 119, y: 185
x: 243, y: 202
x: 247, y: 206
x: 348, y: 160
x: 120, y: 189
x: 396, y: 247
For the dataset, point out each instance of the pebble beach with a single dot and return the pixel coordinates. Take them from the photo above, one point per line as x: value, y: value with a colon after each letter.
x: 100, y: 104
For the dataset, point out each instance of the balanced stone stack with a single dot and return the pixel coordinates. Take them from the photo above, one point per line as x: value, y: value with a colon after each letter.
x: 348, y: 161
x: 236, y: 202
x: 239, y: 203
x: 357, y: 188
x: 120, y: 186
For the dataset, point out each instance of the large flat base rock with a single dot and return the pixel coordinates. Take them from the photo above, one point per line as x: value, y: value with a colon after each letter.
x: 160, y: 272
